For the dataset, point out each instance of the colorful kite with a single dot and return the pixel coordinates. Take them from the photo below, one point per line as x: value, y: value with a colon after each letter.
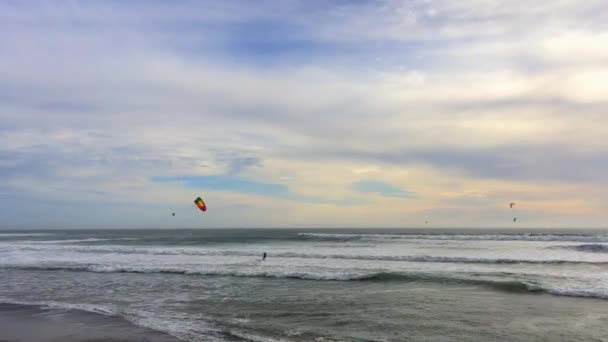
x: 200, y: 204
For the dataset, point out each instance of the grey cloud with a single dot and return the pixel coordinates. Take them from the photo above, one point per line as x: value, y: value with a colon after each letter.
x: 526, y: 163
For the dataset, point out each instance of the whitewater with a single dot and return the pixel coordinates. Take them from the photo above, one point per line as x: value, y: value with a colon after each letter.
x: 212, y: 284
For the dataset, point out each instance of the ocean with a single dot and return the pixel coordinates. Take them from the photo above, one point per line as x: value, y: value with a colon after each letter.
x: 321, y: 284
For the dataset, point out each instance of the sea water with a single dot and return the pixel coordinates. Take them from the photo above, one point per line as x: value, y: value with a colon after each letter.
x: 321, y: 285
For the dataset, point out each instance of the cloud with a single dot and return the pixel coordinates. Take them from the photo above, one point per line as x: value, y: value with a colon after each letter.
x: 290, y: 103
x: 381, y: 188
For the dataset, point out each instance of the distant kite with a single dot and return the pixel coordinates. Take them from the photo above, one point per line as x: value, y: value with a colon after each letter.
x: 511, y: 206
x: 200, y: 204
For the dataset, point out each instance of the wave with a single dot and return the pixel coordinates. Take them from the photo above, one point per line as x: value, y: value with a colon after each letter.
x: 440, y: 259
x: 23, y: 234
x: 68, y: 241
x: 504, y: 285
x: 395, y: 258
x: 591, y: 248
x: 106, y: 310
x: 250, y: 337
x: 457, y: 237
x: 136, y: 318
x: 515, y: 286
x: 344, y: 276
x: 182, y: 330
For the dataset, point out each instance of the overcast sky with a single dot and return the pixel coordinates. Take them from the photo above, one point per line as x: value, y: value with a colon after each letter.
x: 303, y: 113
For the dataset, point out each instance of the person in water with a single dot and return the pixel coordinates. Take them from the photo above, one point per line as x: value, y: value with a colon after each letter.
x: 264, y: 256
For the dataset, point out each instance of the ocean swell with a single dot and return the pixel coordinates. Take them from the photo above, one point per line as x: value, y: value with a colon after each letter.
x: 505, y: 285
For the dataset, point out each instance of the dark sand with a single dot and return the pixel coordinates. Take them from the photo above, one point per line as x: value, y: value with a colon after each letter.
x: 24, y: 323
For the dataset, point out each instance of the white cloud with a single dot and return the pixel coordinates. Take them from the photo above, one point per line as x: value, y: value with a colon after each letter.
x: 95, y: 101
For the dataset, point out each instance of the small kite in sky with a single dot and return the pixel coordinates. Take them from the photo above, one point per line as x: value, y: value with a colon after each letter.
x: 200, y: 204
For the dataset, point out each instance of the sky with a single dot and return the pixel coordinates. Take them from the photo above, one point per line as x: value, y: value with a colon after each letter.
x: 115, y: 114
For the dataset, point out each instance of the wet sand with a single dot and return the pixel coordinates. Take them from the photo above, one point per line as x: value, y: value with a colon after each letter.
x: 24, y: 323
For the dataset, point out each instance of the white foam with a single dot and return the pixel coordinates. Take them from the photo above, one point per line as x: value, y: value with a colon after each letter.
x: 548, y: 256
x: 106, y: 309
x: 179, y: 327
x: 255, y: 338
x: 67, y: 241
x: 462, y: 237
x: 23, y: 234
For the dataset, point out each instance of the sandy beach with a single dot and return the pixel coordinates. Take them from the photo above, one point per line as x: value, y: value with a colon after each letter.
x: 25, y: 323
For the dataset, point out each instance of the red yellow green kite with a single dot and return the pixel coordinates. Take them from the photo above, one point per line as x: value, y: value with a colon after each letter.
x: 200, y: 204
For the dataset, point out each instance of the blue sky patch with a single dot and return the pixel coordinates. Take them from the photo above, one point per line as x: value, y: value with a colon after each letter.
x: 223, y: 183
x: 226, y: 183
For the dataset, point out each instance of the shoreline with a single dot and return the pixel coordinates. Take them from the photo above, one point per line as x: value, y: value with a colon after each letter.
x: 35, y: 323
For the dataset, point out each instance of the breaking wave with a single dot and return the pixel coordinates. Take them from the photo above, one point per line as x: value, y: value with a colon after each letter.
x: 205, y: 331
x: 396, y: 258
x: 440, y: 259
x: 516, y: 286
x: 458, y: 237
x: 23, y: 234
x: 69, y: 241
x: 592, y: 248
